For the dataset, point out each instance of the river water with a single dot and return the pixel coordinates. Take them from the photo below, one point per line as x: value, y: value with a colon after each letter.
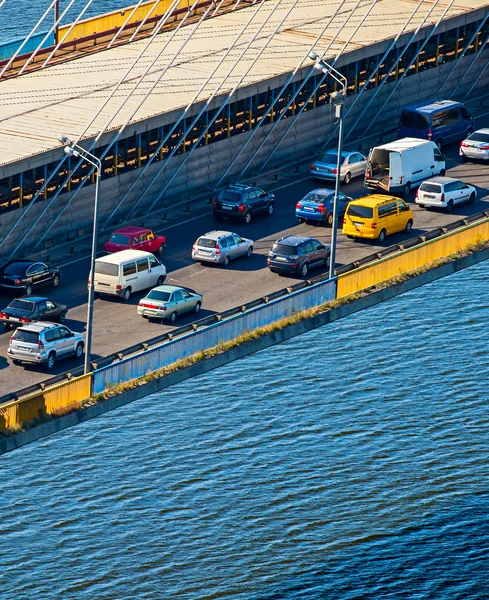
x: 349, y: 462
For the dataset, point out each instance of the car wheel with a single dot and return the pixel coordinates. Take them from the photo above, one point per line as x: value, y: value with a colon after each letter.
x: 382, y: 235
x: 350, y: 237
x: 249, y: 252
x: 16, y: 362
x: 62, y: 317
x: 464, y: 158
x: 472, y: 198
x: 421, y: 205
x: 270, y: 209
x: 79, y: 350
x: 450, y: 206
x: 51, y: 361
x: 197, y: 307
x: 409, y: 226
x: 247, y: 217
x: 304, y: 269
x: 173, y: 317
x: 327, y: 262
x: 442, y: 173
x: 299, y: 220
x: 127, y: 294
x: 407, y: 188
x: 161, y: 249
x: 28, y: 290
x: 347, y: 178
x: 160, y: 280
x: 329, y: 220
x: 56, y: 281
x: 227, y: 260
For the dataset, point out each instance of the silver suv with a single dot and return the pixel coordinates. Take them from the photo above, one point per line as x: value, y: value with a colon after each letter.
x: 44, y: 343
x: 221, y: 247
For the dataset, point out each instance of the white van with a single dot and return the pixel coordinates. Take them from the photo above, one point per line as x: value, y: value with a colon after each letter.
x: 402, y: 165
x: 122, y: 273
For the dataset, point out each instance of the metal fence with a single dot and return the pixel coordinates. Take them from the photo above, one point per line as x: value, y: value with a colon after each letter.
x: 212, y: 335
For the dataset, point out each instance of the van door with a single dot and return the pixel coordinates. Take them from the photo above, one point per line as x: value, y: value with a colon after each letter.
x: 438, y: 162
x: 144, y: 280
x: 396, y: 176
x: 130, y: 276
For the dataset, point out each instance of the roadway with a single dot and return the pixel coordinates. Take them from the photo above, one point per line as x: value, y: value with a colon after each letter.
x: 117, y: 325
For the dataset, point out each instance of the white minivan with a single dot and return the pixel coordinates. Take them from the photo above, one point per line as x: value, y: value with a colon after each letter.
x: 402, y: 165
x: 122, y: 273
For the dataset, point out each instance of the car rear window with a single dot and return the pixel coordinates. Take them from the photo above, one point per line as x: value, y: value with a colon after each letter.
x: 15, y: 269
x: 22, y: 305
x: 317, y: 198
x: 283, y: 249
x: 29, y: 337
x: 206, y: 242
x: 157, y: 295
x: 230, y: 196
x: 433, y: 188
x: 103, y: 268
x: 117, y: 238
x: 413, y: 120
x: 357, y: 210
x: 479, y: 137
x: 331, y: 158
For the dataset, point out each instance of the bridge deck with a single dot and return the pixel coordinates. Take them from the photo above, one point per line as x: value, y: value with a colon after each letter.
x: 63, y: 98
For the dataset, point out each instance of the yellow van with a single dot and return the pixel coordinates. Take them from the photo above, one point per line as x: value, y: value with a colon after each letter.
x: 373, y: 217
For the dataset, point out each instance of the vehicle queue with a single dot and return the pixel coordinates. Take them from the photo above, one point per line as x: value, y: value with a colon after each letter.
x: 133, y: 259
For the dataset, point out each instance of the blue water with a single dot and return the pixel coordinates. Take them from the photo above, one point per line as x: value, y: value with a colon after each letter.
x: 18, y: 17
x: 349, y: 462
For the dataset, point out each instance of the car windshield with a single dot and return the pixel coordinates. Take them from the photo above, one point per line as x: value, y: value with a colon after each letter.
x: 22, y: 305
x: 227, y: 196
x: 434, y: 188
x: 284, y: 249
x: 479, y: 137
x: 158, y: 295
x: 331, y: 158
x: 206, y: 242
x: 16, y: 269
x: 317, y: 198
x: 104, y: 268
x: 30, y: 337
x: 117, y: 238
x: 357, y: 210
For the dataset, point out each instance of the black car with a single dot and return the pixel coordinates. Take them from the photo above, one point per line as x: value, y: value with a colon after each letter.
x: 297, y: 254
x: 243, y: 202
x: 23, y: 276
x: 32, y: 308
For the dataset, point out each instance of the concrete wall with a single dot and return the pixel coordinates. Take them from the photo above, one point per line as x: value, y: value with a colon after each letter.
x: 205, y: 166
x: 16, y: 441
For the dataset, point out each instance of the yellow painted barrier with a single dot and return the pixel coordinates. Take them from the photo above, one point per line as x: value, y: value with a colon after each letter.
x: 412, y: 258
x: 115, y: 19
x: 47, y: 402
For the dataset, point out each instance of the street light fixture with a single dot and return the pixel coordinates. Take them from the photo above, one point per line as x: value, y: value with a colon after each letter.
x: 337, y: 99
x: 73, y: 149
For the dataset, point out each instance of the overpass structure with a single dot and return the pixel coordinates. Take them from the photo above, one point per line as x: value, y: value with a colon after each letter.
x: 177, y: 114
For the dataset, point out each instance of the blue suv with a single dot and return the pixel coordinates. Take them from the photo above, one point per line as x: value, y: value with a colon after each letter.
x: 442, y: 121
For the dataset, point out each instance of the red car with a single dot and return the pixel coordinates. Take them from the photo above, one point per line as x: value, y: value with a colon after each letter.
x: 137, y: 238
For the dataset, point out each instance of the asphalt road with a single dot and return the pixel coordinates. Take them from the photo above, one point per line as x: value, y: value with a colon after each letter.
x: 117, y: 325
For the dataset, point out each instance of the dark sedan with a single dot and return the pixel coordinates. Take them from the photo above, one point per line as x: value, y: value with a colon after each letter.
x: 32, y: 308
x: 23, y: 276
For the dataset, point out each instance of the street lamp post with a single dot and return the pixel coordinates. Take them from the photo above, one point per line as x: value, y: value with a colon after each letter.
x: 73, y: 149
x: 337, y: 99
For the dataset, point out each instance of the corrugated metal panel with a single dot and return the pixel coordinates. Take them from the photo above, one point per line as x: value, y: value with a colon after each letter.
x: 17, y: 412
x: 8, y: 49
x: 212, y: 336
x: 411, y: 259
x: 72, y: 92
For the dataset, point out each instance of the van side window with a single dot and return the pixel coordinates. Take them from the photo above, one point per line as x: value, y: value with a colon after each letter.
x: 129, y: 269
x: 403, y: 207
x: 142, y: 264
x: 445, y: 117
x: 413, y: 120
x: 387, y: 209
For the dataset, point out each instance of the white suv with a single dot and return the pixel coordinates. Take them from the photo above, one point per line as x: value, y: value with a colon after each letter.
x: 444, y: 192
x: 44, y: 343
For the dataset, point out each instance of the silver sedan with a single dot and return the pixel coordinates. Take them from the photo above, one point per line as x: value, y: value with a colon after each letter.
x: 169, y: 301
x: 353, y: 165
x: 476, y: 146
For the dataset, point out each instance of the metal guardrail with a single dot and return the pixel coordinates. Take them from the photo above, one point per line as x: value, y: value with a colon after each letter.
x: 218, y: 317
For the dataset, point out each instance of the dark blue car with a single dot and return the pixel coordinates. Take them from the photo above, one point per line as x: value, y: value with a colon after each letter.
x: 442, y: 121
x: 318, y: 206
